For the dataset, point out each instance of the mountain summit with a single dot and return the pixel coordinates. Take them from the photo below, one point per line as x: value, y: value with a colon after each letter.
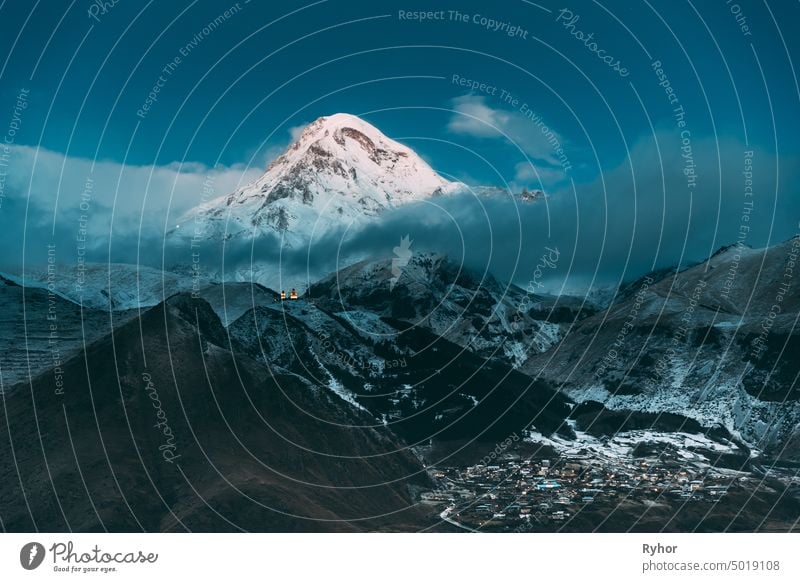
x: 341, y: 170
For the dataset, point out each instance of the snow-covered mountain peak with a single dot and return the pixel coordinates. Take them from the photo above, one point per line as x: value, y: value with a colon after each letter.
x: 332, y: 132
x: 339, y: 171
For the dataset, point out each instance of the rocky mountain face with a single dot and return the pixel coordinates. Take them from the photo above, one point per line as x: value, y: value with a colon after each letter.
x: 418, y: 384
x: 714, y: 343
x: 40, y: 329
x: 473, y: 310
x: 340, y: 171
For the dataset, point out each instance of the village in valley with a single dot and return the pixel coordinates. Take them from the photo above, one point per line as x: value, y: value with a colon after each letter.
x: 517, y: 493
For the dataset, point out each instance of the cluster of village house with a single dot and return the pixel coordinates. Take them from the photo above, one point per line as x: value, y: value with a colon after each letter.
x: 513, y: 492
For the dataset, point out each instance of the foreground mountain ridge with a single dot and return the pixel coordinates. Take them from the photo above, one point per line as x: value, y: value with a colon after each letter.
x: 431, y: 367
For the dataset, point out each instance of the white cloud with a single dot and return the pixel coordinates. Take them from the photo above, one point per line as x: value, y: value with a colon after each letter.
x: 540, y: 142
x: 50, y: 196
x: 296, y: 130
x: 473, y: 117
x: 56, y: 183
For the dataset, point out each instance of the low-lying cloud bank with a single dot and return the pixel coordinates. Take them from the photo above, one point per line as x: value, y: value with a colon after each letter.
x: 76, y: 204
x: 643, y: 214
x: 640, y: 216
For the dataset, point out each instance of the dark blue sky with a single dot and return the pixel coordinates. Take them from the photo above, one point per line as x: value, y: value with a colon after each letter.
x: 253, y: 77
x: 241, y: 85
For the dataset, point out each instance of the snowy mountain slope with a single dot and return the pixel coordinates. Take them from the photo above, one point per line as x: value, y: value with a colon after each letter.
x: 40, y: 330
x: 230, y: 300
x: 473, y: 311
x: 419, y: 385
x: 399, y: 351
x: 121, y: 287
x: 736, y: 279
x: 341, y: 170
x: 699, y: 448
x: 299, y: 337
x: 704, y: 343
x: 116, y: 286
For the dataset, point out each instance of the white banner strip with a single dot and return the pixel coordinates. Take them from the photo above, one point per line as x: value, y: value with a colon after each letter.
x: 356, y: 557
